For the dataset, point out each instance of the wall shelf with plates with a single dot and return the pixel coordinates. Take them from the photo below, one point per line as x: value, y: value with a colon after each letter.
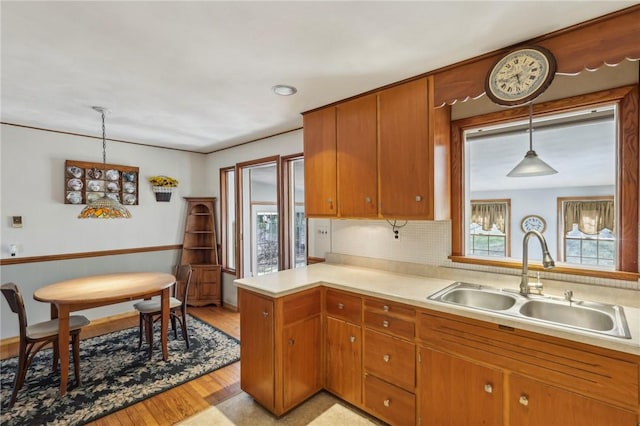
x: 85, y: 181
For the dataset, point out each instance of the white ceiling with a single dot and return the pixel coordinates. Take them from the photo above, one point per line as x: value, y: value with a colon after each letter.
x: 198, y: 75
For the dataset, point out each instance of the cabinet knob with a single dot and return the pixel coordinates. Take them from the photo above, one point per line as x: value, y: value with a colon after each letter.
x: 292, y: 342
x: 340, y: 306
x: 387, y: 402
x: 352, y: 339
x: 265, y: 314
x: 488, y: 388
x: 386, y: 358
x: 367, y: 200
x: 524, y: 400
x: 418, y: 198
x: 385, y: 308
x: 385, y: 324
x: 330, y: 202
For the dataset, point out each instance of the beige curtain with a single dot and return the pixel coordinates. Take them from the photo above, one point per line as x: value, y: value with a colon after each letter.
x: 591, y: 216
x: 486, y: 214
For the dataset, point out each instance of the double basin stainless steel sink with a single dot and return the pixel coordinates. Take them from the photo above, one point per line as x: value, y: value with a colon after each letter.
x: 577, y: 314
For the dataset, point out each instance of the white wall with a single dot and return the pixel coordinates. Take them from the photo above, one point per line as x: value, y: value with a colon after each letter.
x: 32, y: 186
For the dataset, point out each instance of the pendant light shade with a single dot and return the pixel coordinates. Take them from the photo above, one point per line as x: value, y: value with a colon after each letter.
x: 531, y: 164
x: 104, y: 207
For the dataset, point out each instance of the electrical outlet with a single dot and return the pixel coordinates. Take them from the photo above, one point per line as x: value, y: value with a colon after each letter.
x: 323, y: 230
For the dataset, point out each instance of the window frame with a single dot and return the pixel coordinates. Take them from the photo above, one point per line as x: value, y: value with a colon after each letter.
x: 507, y: 225
x: 626, y: 98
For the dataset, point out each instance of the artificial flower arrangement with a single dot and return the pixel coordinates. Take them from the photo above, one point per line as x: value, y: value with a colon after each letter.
x: 163, y: 181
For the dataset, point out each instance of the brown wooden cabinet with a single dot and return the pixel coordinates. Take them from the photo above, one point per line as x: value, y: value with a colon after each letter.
x: 533, y: 403
x: 281, y: 358
x: 343, y: 345
x: 200, y: 250
x: 413, y: 152
x: 385, y: 154
x: 320, y: 163
x: 454, y: 391
x: 474, y: 370
x: 357, y: 157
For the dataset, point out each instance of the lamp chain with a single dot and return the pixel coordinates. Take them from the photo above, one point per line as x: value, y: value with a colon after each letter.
x: 104, y: 143
x: 531, y: 126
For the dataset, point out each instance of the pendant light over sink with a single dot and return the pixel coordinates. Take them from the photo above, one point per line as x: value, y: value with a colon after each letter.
x: 531, y: 165
x: 104, y: 207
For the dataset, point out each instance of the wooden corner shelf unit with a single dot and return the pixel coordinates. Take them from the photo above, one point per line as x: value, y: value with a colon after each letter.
x: 200, y: 250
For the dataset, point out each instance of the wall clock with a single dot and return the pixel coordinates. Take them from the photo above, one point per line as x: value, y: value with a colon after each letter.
x: 533, y: 222
x: 520, y: 76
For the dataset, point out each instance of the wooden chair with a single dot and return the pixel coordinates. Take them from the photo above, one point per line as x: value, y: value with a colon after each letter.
x: 150, y: 310
x: 35, y: 337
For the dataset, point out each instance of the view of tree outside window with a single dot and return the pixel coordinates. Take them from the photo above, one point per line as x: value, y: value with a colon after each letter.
x: 266, y: 242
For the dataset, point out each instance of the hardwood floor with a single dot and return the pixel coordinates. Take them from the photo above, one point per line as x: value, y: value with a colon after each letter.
x: 179, y: 402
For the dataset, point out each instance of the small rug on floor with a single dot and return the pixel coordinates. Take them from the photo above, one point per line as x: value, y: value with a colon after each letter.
x: 115, y: 374
x: 323, y: 409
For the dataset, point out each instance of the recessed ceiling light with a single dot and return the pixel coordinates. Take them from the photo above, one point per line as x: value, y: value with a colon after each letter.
x: 284, y: 90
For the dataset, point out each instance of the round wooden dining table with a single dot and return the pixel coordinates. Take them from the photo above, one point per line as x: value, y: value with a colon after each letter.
x: 89, y: 292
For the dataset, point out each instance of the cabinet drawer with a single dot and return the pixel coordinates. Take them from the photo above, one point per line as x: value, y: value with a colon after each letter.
x: 390, y: 403
x: 344, y: 306
x: 301, y: 305
x: 389, y: 308
x: 390, y: 358
x: 389, y: 324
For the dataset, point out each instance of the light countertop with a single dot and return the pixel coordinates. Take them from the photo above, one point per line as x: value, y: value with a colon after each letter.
x: 414, y: 290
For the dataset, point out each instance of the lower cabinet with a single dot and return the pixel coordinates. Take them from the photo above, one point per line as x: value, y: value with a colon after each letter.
x: 343, y: 347
x: 533, y: 403
x: 280, y: 348
x: 390, y: 403
x: 456, y: 392
x: 206, y: 286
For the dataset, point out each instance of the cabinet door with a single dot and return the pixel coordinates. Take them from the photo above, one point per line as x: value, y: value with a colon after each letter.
x: 209, y: 288
x: 320, y: 165
x: 357, y: 157
x: 404, y: 152
x: 257, y: 348
x: 301, y: 360
x: 344, y: 360
x: 533, y: 403
x: 453, y: 391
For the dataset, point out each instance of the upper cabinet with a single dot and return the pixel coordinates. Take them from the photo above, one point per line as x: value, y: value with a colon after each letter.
x: 390, y: 156
x: 357, y: 157
x: 320, y: 163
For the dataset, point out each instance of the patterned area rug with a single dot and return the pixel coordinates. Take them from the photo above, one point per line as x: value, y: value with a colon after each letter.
x: 115, y: 374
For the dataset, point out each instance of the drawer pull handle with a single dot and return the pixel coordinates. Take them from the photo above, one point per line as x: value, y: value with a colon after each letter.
x: 385, y: 324
x: 386, y: 358
x: 292, y: 342
x: 488, y: 388
x: 524, y: 400
x: 340, y: 306
x: 352, y: 339
x: 265, y: 314
x: 387, y: 402
x: 385, y: 308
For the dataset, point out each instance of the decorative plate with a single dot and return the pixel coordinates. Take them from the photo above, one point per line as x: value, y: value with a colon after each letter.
x: 112, y: 174
x: 129, y: 199
x: 129, y: 176
x: 92, y: 196
x: 114, y: 197
x: 75, y: 172
x: 94, y: 173
x: 94, y: 185
x: 74, y: 197
x: 113, y: 187
x: 129, y: 187
x: 75, y: 184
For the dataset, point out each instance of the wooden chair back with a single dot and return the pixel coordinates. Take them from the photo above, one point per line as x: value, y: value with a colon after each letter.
x: 183, y: 280
x: 14, y: 298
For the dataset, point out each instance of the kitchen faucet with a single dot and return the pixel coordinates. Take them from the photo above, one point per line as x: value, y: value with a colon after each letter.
x: 547, y: 262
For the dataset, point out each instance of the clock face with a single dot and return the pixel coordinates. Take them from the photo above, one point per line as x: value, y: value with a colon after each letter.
x: 533, y: 223
x: 520, y: 76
